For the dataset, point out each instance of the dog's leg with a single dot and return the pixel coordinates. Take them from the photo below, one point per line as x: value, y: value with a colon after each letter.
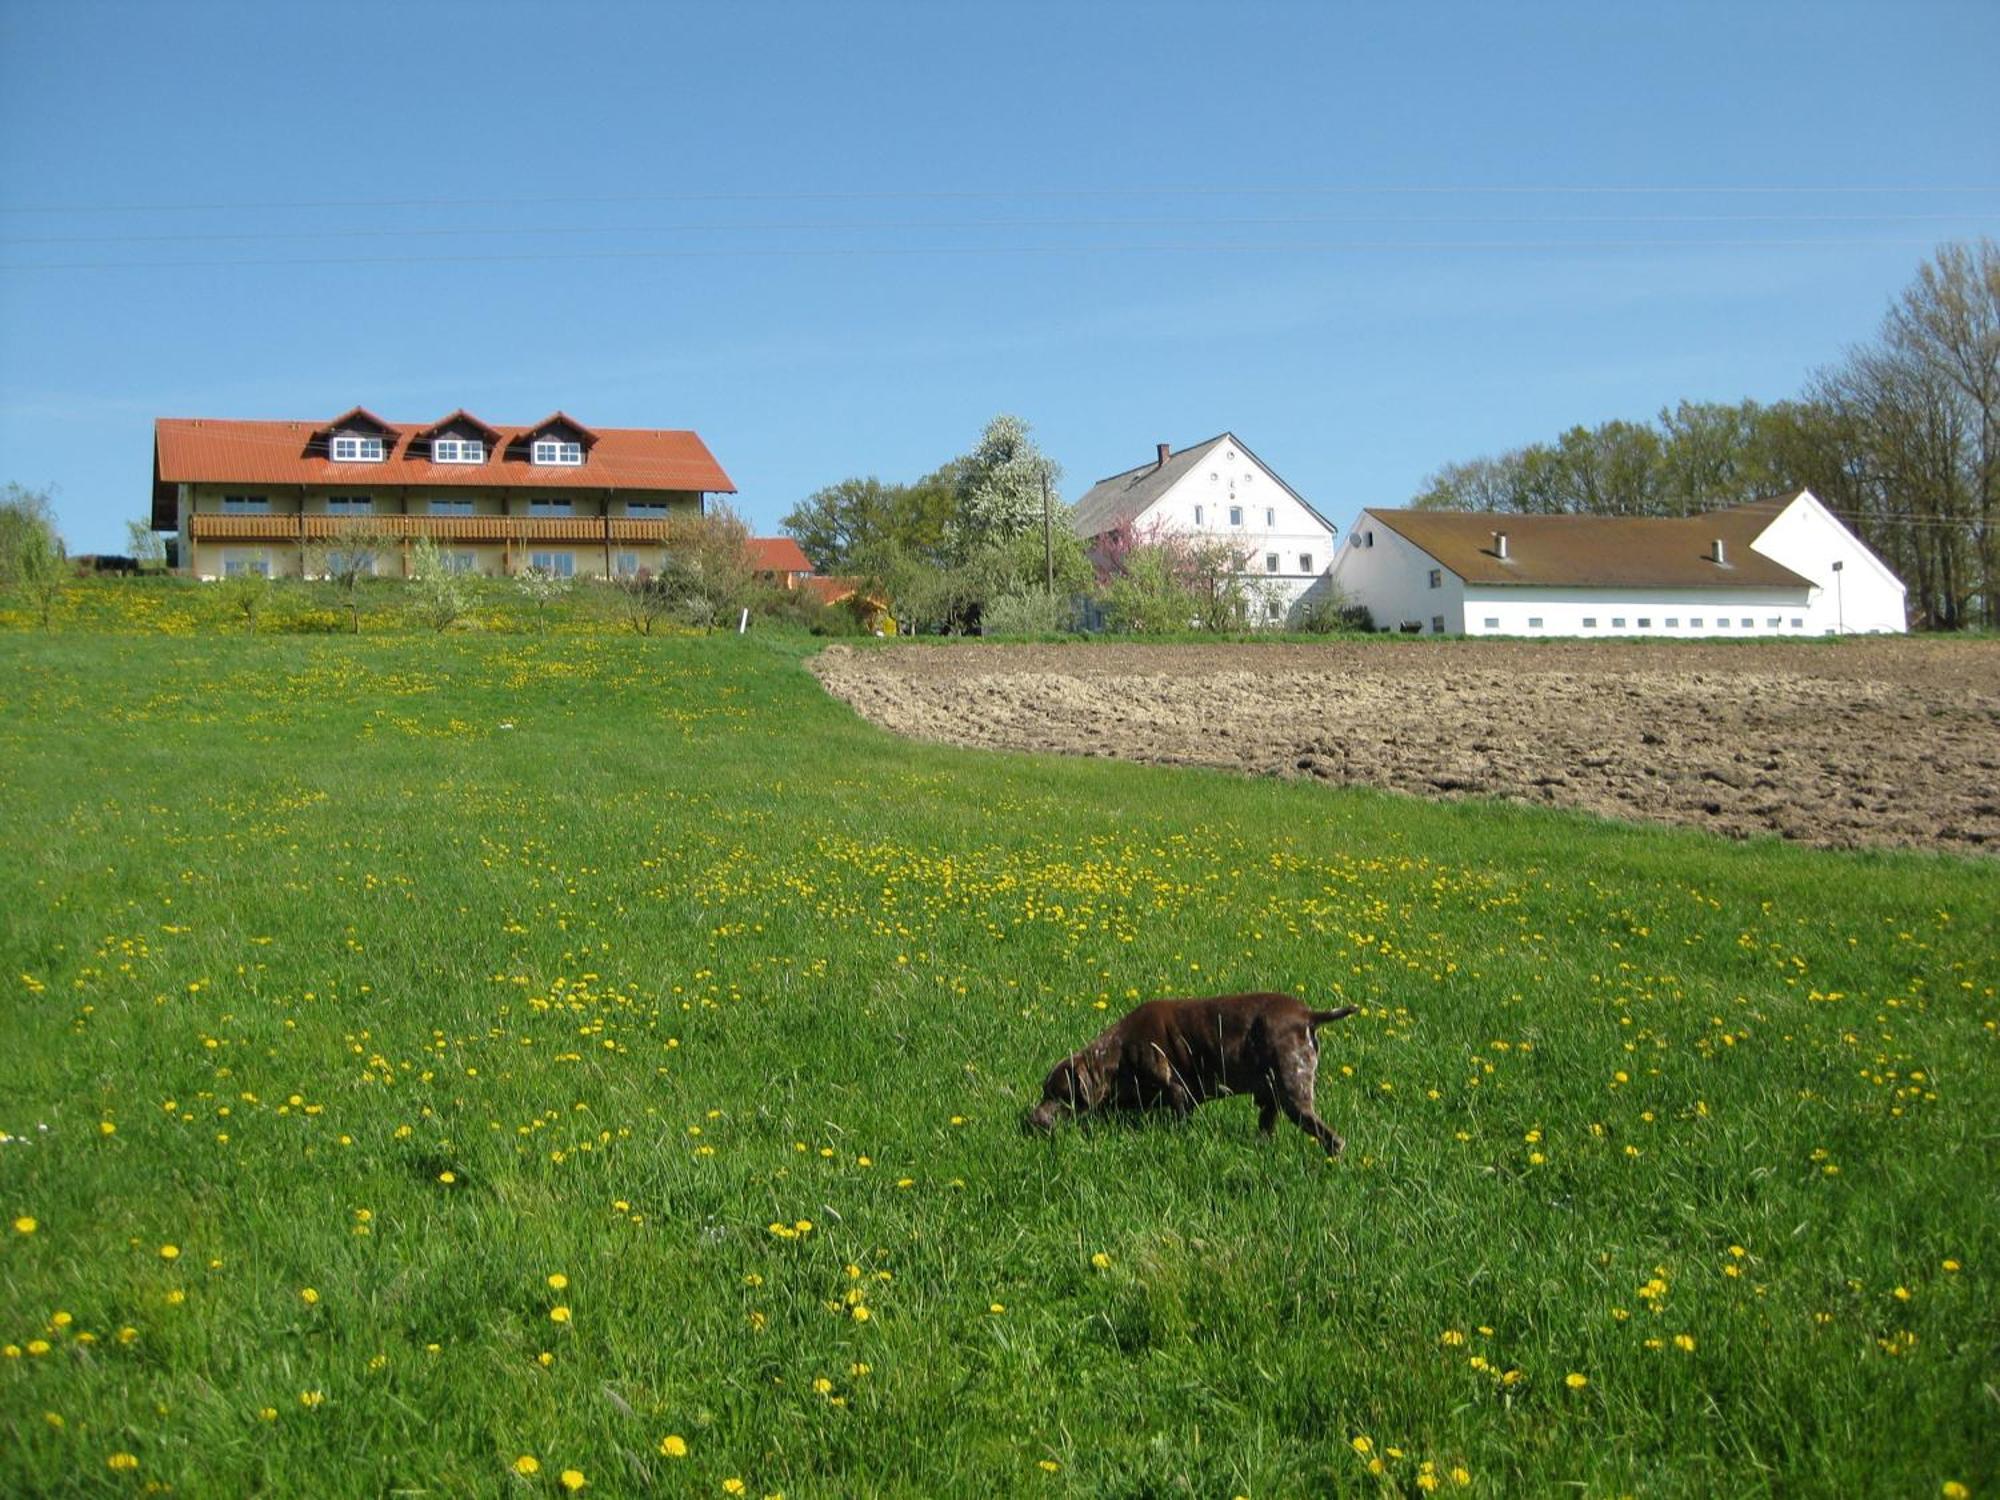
x: 1267, y: 1114
x: 1295, y: 1096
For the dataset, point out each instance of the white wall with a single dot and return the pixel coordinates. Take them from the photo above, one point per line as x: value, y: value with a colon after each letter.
x: 1671, y: 613
x: 1863, y: 596
x: 1391, y: 576
x: 1273, y: 521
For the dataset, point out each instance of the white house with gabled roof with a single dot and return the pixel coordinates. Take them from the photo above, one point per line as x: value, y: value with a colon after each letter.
x: 1218, y: 490
x: 1782, y: 566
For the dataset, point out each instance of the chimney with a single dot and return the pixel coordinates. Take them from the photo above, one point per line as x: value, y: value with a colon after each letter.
x: 1166, y: 452
x: 1500, y: 545
x: 1721, y: 554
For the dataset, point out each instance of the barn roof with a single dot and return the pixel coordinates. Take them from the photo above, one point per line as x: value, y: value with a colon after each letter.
x: 204, y: 450
x: 1676, y: 552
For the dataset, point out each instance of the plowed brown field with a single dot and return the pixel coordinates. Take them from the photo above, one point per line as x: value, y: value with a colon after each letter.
x: 1892, y: 741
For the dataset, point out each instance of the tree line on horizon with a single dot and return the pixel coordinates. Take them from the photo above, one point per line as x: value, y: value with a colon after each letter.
x: 1900, y: 438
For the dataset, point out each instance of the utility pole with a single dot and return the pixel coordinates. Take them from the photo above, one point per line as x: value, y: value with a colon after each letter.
x: 1048, y: 540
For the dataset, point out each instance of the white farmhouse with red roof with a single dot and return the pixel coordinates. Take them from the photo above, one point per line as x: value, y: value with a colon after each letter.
x: 1783, y: 566
x: 269, y: 497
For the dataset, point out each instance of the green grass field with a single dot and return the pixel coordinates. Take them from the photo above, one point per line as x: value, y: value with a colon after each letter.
x: 437, y: 1065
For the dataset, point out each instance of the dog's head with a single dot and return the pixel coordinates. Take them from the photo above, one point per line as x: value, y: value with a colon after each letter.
x: 1072, y: 1087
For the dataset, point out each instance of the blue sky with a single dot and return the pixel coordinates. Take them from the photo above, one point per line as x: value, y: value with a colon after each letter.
x: 835, y: 239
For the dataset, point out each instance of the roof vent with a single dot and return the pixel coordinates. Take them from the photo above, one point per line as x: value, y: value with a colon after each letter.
x: 1721, y: 554
x: 1166, y: 451
x: 1500, y: 545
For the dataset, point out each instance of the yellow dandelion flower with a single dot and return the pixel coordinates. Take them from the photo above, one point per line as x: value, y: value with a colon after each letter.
x: 1049, y: 1466
x: 1101, y: 1261
x: 105, y: 1127
x: 558, y: 1281
x: 1950, y: 1266
x: 527, y: 1463
x: 821, y: 1384
x: 1684, y: 1342
x: 1461, y: 1477
x: 311, y: 1399
x: 1451, y: 1337
x: 1953, y: 1490
x: 38, y: 1347
x: 447, y: 1178
x: 1575, y: 1381
x: 732, y: 1486
x: 267, y: 1413
x: 25, y: 1225
x: 573, y: 1480
x: 1363, y: 1445
x: 861, y: 1314
x: 309, y: 1296
x: 170, y: 1252
x: 673, y: 1445
x: 122, y: 1462
x: 996, y: 1308
x: 559, y: 1315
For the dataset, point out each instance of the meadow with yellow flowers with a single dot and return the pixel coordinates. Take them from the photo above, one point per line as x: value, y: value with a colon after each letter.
x: 526, y: 1065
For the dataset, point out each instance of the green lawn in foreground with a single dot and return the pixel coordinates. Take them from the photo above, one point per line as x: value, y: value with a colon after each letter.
x: 387, y: 979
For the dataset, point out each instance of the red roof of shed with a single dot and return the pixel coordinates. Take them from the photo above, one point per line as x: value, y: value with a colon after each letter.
x: 777, y: 554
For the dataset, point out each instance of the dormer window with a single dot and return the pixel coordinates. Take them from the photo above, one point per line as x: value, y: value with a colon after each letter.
x: 352, y: 448
x: 557, y: 451
x: 457, y: 451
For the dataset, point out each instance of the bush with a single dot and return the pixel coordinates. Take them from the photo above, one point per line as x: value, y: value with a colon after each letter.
x: 1031, y: 612
x: 1327, y: 615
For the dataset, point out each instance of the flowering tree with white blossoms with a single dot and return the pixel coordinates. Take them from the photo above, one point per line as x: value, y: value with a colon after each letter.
x: 1000, y: 488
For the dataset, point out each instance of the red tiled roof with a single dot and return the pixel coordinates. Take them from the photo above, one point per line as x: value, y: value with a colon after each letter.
x: 201, y: 450
x: 777, y: 554
x: 832, y: 590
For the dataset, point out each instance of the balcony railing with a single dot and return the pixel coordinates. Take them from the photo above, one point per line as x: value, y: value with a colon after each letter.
x: 208, y: 526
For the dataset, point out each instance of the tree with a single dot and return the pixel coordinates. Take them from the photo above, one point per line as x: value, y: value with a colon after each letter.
x: 347, y: 557
x: 148, y: 547
x: 33, y: 563
x: 1003, y: 486
x: 245, y: 595
x: 442, y: 594
x: 542, y: 589
x: 707, y: 575
x: 27, y: 519
x: 851, y: 524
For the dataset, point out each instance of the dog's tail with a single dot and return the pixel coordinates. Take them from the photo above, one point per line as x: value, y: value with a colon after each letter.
x: 1320, y: 1017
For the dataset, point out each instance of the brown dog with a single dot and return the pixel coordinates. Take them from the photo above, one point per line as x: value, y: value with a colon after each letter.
x: 1181, y: 1053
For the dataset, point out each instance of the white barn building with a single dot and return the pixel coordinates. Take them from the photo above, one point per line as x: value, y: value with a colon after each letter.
x: 1784, y: 566
x: 1217, y: 490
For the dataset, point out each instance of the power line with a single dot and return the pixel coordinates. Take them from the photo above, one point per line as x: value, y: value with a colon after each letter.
x: 822, y: 226
x: 1002, y: 194
x: 1301, y: 247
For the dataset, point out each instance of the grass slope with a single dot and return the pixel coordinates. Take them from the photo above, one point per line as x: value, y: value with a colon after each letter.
x: 386, y: 980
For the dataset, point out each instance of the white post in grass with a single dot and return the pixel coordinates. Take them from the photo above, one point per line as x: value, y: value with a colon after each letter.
x: 743, y: 623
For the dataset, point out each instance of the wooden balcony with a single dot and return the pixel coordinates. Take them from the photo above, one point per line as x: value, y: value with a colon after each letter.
x: 206, y: 526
